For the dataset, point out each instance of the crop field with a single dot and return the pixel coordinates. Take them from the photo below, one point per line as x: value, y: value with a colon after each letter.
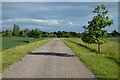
x: 104, y: 65
x: 10, y: 42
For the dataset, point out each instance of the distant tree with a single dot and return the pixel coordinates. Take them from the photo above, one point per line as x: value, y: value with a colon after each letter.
x: 114, y: 33
x: 43, y: 34
x: 73, y: 34
x: 63, y: 34
x: 16, y: 30
x: 3, y: 33
x: 53, y: 34
x: 26, y: 32
x: 8, y: 33
x: 79, y: 35
x: 68, y: 35
x: 59, y: 34
x: 0, y: 32
x: 94, y: 32
x: 22, y: 33
x: 37, y: 33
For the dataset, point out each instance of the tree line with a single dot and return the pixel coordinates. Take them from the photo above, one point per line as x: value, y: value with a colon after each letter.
x: 36, y: 33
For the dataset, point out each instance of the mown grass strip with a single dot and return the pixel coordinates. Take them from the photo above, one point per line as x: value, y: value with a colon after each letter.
x: 13, y: 55
x: 100, y: 65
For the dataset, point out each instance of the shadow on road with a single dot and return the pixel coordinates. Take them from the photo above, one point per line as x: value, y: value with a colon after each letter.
x: 52, y: 54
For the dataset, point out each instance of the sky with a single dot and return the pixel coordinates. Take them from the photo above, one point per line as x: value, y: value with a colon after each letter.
x: 54, y: 16
x: 60, y: 0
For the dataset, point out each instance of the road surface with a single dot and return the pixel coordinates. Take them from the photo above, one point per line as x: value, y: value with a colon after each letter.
x: 53, y: 60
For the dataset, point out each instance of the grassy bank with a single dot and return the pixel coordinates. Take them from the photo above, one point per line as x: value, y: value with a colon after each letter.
x: 108, y: 49
x: 12, y: 55
x: 101, y: 66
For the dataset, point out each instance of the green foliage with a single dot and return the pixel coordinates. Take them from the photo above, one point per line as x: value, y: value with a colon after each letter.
x: 35, y: 33
x: 67, y: 34
x: 16, y: 30
x: 115, y: 33
x: 108, y: 49
x: 24, y: 33
x: 8, y: 33
x: 94, y: 32
x: 101, y: 66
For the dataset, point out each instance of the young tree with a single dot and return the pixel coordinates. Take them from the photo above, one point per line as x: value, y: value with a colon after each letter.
x: 94, y: 32
x: 59, y: 34
x: 16, y: 30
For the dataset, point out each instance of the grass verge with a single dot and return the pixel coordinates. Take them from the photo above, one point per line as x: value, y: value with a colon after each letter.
x: 108, y: 49
x: 13, y: 55
x: 101, y: 66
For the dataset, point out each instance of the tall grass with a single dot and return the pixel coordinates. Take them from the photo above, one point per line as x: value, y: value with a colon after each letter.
x: 108, y: 49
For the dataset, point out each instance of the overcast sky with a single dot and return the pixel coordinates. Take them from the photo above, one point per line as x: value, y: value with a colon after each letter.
x: 54, y: 16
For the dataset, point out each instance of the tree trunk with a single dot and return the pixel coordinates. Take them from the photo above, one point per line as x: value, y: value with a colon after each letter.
x: 98, y: 47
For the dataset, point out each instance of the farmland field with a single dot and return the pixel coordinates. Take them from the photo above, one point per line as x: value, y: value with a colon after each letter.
x: 10, y: 42
x: 103, y: 65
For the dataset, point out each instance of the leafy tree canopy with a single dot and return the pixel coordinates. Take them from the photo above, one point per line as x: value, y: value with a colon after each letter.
x: 94, y: 32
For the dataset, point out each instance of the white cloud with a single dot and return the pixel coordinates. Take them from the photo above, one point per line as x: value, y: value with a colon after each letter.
x: 70, y: 23
x: 50, y: 22
x: 38, y: 21
x: 40, y: 8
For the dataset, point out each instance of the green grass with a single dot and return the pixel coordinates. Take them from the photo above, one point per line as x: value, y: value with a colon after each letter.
x: 101, y: 66
x: 108, y: 49
x: 0, y: 61
x: 10, y: 42
x: 12, y: 55
x: 115, y: 39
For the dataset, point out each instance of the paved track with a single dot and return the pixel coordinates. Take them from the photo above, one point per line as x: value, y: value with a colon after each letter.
x: 53, y: 60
